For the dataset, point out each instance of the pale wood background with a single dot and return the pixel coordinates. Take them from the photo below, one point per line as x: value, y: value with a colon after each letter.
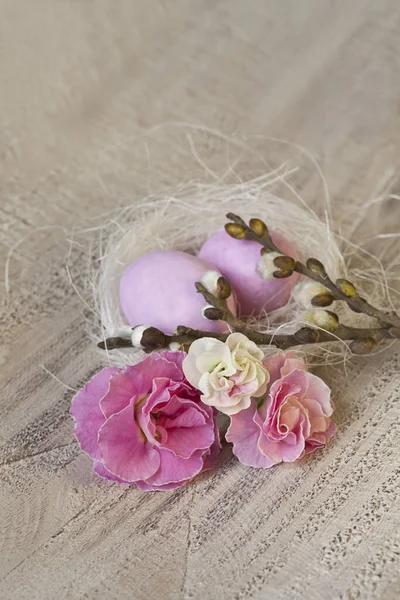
x: 81, y: 83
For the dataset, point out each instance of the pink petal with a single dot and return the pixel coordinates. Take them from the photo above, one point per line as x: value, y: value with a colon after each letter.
x: 187, y: 433
x: 86, y: 412
x: 274, y: 364
x: 100, y: 469
x: 293, y: 364
x: 160, y: 393
x: 281, y: 390
x: 145, y: 487
x: 122, y: 388
x: 244, y: 433
x: 318, y: 390
x: 175, y: 357
x: 174, y: 469
x: 137, y: 380
x: 125, y: 452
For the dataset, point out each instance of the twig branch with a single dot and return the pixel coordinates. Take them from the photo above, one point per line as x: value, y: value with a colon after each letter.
x: 342, y: 290
x: 363, y: 340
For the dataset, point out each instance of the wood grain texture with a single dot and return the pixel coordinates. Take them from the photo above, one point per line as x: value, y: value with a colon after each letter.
x: 82, y: 84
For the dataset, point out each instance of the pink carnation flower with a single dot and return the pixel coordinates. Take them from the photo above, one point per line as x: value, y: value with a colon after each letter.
x: 293, y: 421
x: 145, y: 424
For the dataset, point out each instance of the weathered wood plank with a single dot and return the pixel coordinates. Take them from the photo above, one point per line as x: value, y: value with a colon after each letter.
x: 83, y: 85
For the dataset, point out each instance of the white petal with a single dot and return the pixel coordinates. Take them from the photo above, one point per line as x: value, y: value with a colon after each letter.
x: 190, y: 370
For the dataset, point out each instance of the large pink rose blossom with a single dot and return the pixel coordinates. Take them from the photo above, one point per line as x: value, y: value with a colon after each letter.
x: 145, y: 424
x: 293, y: 421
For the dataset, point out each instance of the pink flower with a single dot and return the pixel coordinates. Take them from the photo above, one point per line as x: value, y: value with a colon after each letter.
x: 145, y: 424
x: 293, y: 421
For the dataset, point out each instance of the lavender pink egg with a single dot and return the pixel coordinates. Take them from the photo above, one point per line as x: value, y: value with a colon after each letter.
x: 237, y: 261
x: 158, y: 289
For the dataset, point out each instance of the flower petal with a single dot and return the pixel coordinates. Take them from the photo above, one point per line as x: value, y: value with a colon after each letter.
x: 86, y: 412
x: 244, y: 433
x: 100, y: 469
x: 125, y: 452
x: 318, y: 390
x: 187, y: 433
x: 175, y: 357
x: 137, y: 381
x: 292, y: 364
x: 145, y: 487
x: 173, y: 469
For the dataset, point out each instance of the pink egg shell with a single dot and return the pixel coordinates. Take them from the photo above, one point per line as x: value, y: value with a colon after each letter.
x: 237, y: 261
x: 158, y: 289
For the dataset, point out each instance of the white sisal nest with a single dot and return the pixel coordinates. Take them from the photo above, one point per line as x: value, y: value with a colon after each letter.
x: 184, y: 221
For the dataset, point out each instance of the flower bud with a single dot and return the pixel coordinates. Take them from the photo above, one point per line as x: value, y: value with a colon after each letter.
x: 258, y: 227
x: 236, y: 231
x: 305, y: 291
x: 148, y: 338
x: 363, y: 346
x: 223, y: 288
x: 211, y: 313
x: 346, y: 287
x: 266, y: 267
x: 316, y: 266
x: 306, y: 335
x: 210, y: 281
x: 123, y: 332
x: 136, y: 335
x: 174, y: 346
x: 324, y: 299
x: 153, y: 338
x: 286, y: 263
x: 322, y: 318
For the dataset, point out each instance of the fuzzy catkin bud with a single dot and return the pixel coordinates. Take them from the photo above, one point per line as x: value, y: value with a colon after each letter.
x: 316, y: 266
x: 224, y: 289
x: 346, y: 287
x: 136, y: 335
x: 174, y: 346
x: 322, y: 300
x: 323, y: 318
x: 153, y: 339
x: 305, y: 291
x: 211, y: 313
x: 210, y: 281
x: 236, y: 231
x: 258, y: 227
x: 266, y: 266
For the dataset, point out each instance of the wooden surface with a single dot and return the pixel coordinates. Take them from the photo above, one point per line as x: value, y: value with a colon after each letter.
x: 81, y: 84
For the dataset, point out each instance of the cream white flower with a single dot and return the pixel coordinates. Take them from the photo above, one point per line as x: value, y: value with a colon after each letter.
x: 228, y: 374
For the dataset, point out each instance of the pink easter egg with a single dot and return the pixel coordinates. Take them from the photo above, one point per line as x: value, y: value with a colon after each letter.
x: 237, y: 261
x: 158, y: 289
